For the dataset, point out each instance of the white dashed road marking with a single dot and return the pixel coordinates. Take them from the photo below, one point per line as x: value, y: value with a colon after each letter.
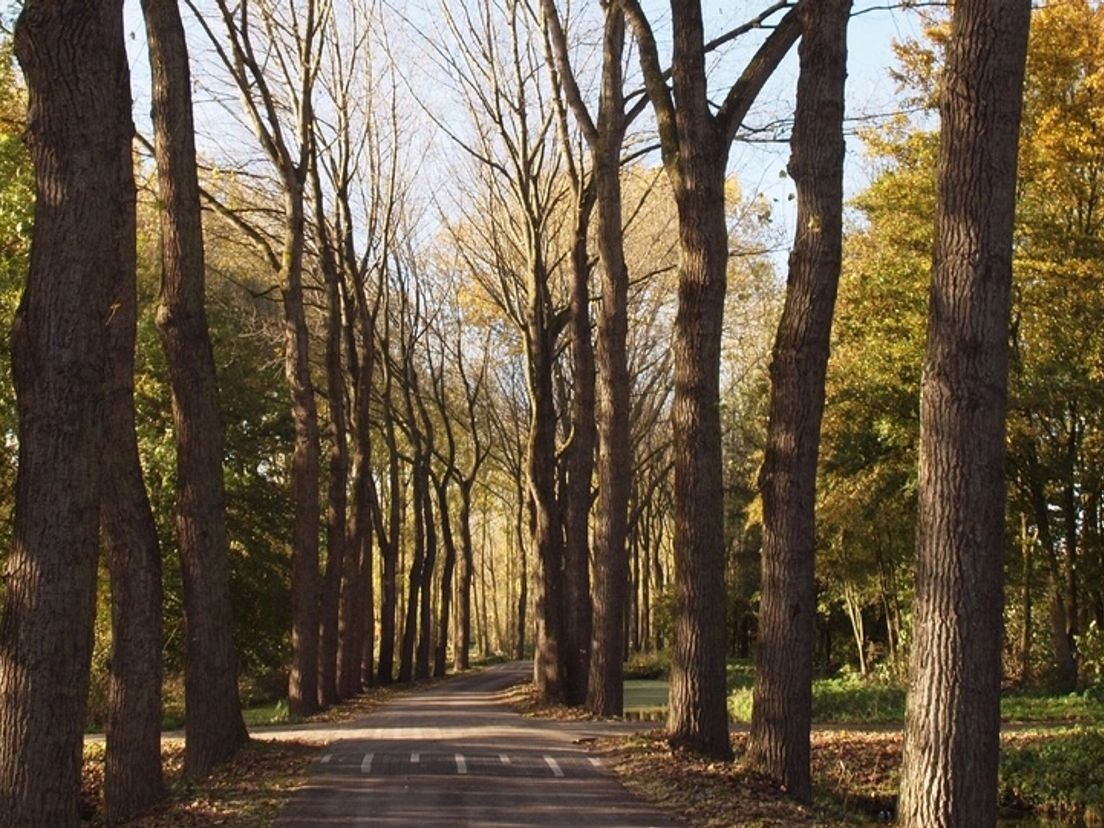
x: 366, y: 765
x: 554, y: 765
x: 461, y: 764
x: 327, y: 758
x: 504, y: 758
x: 415, y: 758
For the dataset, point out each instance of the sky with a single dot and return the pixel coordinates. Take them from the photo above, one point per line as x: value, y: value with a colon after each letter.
x: 875, y: 25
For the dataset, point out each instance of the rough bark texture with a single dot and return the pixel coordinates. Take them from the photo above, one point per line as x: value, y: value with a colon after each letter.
x: 694, y: 144
x: 355, y: 657
x: 783, y: 698
x: 419, y: 485
x: 389, y: 548
x: 580, y: 469
x: 448, y: 570
x: 467, y: 573
x: 337, y: 491
x: 425, y: 605
x: 214, y: 728
x: 952, y: 728
x: 605, y: 693
x: 74, y: 64
x: 546, y: 536
x: 698, y: 716
x: 305, y: 465
x: 132, y: 770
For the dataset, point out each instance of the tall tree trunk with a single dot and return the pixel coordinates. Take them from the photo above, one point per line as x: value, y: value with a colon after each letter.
x: 448, y: 571
x: 1027, y: 546
x: 213, y: 729
x: 523, y: 590
x: 425, y: 607
x: 783, y: 696
x: 952, y: 727
x: 389, y: 549
x: 547, y: 538
x: 357, y: 592
x: 1072, y: 525
x: 605, y: 691
x: 698, y: 714
x: 580, y: 468
x: 467, y: 572
x: 74, y: 63
x: 337, y: 509
x: 305, y: 465
x: 1065, y: 665
x: 132, y: 767
x: 414, y: 581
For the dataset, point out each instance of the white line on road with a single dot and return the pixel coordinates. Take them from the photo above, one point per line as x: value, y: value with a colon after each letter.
x: 504, y: 758
x: 461, y: 765
x: 327, y: 758
x: 596, y: 762
x: 554, y: 765
x: 366, y: 765
x: 415, y: 758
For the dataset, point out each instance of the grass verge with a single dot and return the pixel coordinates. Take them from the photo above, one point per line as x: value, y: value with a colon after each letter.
x: 248, y: 791
x: 1044, y: 773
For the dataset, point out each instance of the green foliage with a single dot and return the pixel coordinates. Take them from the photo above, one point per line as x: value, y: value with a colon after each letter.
x: 848, y: 700
x: 648, y: 665
x: 16, y: 213
x: 256, y: 434
x: 1060, y: 774
x: 1090, y: 646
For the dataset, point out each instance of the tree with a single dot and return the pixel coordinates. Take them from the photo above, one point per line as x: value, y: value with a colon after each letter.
x: 694, y: 145
x: 512, y: 121
x: 783, y: 700
x: 949, y: 770
x: 132, y: 765
x: 292, y: 37
x: 214, y: 729
x: 604, y: 136
x: 79, y: 133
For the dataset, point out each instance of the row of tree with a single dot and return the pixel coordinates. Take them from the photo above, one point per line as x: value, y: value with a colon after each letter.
x: 459, y: 383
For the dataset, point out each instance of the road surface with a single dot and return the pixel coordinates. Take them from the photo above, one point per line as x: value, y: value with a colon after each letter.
x: 456, y: 756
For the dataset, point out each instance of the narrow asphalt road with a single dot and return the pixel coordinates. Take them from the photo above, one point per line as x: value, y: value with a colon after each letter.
x: 455, y: 755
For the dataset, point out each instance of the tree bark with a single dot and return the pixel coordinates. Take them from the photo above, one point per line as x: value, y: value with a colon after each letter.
x: 448, y: 570
x: 132, y: 766
x: 74, y: 63
x: 952, y: 727
x: 425, y: 607
x: 389, y: 548
x: 783, y: 695
x: 579, y: 467
x: 467, y: 573
x: 547, y: 540
x: 337, y: 493
x: 694, y: 145
x: 605, y: 693
x: 305, y: 463
x: 214, y: 729
x: 356, y: 656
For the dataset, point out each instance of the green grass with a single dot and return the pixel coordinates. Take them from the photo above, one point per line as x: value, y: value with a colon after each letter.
x: 645, y: 694
x: 852, y: 699
x: 268, y: 713
x: 1056, y: 773
x: 1036, y: 706
x: 271, y: 712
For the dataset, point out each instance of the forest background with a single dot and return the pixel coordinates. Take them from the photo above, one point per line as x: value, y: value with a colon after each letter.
x: 417, y: 190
